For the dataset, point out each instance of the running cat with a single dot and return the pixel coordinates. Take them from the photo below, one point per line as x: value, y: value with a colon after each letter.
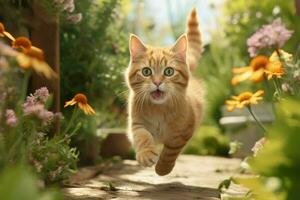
x: 165, y: 101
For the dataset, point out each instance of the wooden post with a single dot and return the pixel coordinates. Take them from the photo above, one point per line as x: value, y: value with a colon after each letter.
x: 45, y: 35
x: 297, y: 5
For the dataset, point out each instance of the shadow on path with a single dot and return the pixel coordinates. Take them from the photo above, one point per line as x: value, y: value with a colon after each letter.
x: 194, y: 177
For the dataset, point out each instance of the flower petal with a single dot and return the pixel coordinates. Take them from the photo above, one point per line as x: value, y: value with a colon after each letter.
x: 257, y: 75
x: 90, y: 110
x: 9, y: 36
x: 231, y: 102
x: 238, y: 70
x: 70, y: 103
x: 23, y: 60
x: 230, y: 108
x: 242, y: 77
x: 259, y: 93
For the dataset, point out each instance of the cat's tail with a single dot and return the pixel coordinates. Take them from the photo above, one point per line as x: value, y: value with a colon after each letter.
x: 194, y: 40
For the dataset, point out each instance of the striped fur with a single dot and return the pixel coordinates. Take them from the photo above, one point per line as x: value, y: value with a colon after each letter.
x: 172, y: 119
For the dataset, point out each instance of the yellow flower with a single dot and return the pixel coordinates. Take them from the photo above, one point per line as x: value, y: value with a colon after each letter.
x: 81, y: 100
x: 32, y: 57
x: 244, y: 99
x: 287, y: 57
x: 274, y: 69
x: 254, y: 72
x: 3, y: 33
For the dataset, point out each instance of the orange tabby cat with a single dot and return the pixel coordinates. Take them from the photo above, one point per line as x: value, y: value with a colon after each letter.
x: 165, y: 101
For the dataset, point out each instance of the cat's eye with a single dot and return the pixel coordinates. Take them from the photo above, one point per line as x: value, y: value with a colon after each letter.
x: 169, y: 71
x: 146, y: 71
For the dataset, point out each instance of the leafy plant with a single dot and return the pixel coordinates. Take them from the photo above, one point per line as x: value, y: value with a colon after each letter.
x: 277, y: 163
x: 208, y: 141
x: 18, y: 182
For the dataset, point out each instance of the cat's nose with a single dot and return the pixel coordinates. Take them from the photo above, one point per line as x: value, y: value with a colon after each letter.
x: 157, y: 83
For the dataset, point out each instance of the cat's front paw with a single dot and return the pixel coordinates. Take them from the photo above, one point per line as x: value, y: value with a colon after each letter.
x: 147, y: 156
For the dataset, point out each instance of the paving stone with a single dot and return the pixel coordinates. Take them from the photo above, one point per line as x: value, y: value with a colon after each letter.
x: 194, y: 177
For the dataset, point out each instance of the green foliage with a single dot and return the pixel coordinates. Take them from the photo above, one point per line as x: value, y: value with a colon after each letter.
x: 208, y: 141
x: 53, y: 159
x: 94, y: 55
x: 278, y: 162
x: 17, y: 182
x: 24, y: 136
x: 215, y: 69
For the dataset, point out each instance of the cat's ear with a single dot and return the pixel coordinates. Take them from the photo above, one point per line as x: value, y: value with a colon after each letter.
x: 180, y: 47
x: 136, y: 46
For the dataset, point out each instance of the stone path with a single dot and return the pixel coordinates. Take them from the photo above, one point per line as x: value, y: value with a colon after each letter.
x: 194, y: 177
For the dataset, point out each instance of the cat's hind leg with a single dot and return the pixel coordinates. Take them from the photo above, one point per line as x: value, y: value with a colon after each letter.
x: 169, y: 154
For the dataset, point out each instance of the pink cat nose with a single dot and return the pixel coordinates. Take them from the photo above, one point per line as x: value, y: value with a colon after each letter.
x: 157, y: 83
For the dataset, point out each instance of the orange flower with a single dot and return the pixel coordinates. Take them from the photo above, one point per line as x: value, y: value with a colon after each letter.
x: 22, y: 43
x: 244, y: 99
x: 274, y: 69
x: 3, y: 33
x: 81, y: 100
x: 254, y: 72
x: 32, y: 57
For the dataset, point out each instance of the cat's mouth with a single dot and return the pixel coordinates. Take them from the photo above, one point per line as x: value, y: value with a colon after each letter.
x: 157, y: 94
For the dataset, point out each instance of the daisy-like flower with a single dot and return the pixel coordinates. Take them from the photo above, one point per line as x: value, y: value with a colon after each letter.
x: 4, y: 33
x: 259, y: 66
x: 274, y: 69
x: 32, y: 57
x: 244, y: 99
x: 81, y: 101
x: 254, y: 72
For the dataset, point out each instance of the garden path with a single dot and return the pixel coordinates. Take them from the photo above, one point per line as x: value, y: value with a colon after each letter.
x: 194, y: 177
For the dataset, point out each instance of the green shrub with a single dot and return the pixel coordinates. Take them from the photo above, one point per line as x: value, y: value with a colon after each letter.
x: 208, y: 140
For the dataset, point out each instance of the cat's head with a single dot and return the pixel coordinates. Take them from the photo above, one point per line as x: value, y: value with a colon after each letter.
x: 158, y: 75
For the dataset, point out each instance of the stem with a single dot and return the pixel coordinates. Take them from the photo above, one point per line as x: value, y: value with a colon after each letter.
x: 277, y: 89
x: 23, y: 91
x: 71, y: 134
x: 25, y: 85
x: 19, y: 134
x: 270, y: 95
x: 256, y: 120
x: 279, y: 55
x: 74, y: 115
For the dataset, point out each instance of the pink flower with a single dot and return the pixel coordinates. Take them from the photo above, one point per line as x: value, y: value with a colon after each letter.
x: 30, y: 101
x: 69, y: 5
x: 38, y: 110
x: 41, y: 94
x: 75, y: 18
x: 11, y: 119
x: 7, y: 50
x: 34, y: 106
x: 270, y: 35
x: 59, y: 116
